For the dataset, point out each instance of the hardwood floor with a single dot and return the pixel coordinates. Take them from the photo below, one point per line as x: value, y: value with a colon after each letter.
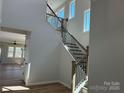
x: 11, y: 74
x: 11, y: 79
x: 49, y: 88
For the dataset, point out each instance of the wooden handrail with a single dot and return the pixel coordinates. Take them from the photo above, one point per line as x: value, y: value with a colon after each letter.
x: 50, y: 14
x: 53, y: 12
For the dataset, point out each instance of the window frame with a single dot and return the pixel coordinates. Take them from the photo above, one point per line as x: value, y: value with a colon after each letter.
x: 16, y: 52
x: 9, y: 52
x: 85, y: 20
x: 23, y: 52
x: 60, y: 10
x: 70, y: 9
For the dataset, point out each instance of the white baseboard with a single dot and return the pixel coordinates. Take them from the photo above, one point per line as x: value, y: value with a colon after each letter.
x: 42, y: 83
x: 49, y: 82
x: 66, y: 85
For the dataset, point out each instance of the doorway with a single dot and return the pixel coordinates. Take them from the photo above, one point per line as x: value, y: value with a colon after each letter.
x: 12, y: 58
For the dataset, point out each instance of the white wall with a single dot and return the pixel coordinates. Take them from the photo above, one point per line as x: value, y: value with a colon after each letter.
x: 0, y: 11
x: 106, y: 44
x: 65, y: 67
x: 76, y: 24
x: 43, y: 49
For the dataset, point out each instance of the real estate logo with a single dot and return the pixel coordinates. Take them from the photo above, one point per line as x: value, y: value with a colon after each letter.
x: 107, y: 86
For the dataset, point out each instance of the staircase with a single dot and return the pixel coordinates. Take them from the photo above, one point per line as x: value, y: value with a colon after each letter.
x: 76, y: 50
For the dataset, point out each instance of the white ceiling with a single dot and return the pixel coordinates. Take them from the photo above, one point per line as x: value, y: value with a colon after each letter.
x: 10, y: 37
x: 55, y: 3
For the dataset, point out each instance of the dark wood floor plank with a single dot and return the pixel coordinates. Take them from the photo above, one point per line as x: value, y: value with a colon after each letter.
x: 11, y: 74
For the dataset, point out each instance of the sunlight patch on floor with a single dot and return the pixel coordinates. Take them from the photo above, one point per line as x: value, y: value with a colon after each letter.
x: 14, y: 88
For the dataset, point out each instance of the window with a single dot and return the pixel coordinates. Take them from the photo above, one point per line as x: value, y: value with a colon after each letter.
x: 61, y: 13
x: 87, y: 20
x: 50, y: 20
x: 72, y: 9
x: 10, y: 52
x: 18, y: 52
